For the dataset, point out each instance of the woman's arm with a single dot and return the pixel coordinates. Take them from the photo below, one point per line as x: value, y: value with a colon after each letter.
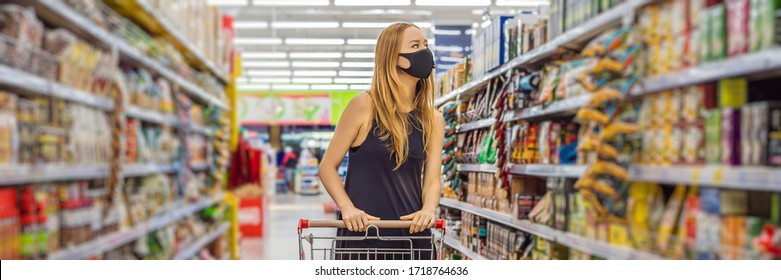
x: 432, y: 176
x: 357, y: 112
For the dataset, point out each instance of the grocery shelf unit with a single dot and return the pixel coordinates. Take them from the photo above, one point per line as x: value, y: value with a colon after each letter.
x: 452, y: 242
x: 59, y: 14
x: 759, y: 64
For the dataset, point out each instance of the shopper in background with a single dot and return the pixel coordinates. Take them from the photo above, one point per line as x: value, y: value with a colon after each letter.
x: 394, y: 135
x: 290, y: 163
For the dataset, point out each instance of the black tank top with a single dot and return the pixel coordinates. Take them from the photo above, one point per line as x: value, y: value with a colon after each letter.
x: 377, y: 189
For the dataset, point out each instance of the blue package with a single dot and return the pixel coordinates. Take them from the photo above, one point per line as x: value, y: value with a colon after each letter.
x: 710, y: 200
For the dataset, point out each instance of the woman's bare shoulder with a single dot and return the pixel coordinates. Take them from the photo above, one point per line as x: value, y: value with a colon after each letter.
x: 359, y: 109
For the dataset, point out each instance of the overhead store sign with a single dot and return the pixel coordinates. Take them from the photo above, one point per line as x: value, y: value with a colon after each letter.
x: 285, y: 109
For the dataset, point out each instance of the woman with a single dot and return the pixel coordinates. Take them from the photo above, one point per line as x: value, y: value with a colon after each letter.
x: 394, y: 137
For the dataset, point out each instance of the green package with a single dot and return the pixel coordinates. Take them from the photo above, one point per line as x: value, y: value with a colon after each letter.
x: 718, y: 33
x: 703, y: 36
x: 713, y: 136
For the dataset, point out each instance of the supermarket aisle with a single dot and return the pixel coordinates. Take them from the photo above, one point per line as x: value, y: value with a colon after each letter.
x: 282, y: 215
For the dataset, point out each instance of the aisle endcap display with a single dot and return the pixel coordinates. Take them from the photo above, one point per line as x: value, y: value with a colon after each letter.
x: 29, y: 83
x: 141, y: 169
x: 452, y: 242
x: 579, y: 34
x: 29, y: 174
x: 58, y: 11
x: 193, y: 249
x: 151, y: 116
x: 176, y: 212
x: 584, y: 244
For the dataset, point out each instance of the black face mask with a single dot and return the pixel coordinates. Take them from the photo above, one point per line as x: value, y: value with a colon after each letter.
x: 421, y: 62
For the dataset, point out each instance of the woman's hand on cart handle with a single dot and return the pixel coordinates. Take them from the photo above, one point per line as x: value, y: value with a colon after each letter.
x: 356, y: 219
x: 421, y: 220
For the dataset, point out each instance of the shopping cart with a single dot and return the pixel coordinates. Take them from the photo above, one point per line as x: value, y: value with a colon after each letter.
x: 404, y: 248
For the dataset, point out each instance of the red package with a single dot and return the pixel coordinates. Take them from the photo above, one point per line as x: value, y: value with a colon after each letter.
x: 737, y: 26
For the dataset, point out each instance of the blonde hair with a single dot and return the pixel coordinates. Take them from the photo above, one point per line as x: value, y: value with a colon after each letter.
x: 391, y: 122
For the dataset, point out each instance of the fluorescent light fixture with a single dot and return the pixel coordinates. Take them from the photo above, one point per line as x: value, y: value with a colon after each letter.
x: 315, y: 64
x: 423, y: 24
x: 271, y: 80
x: 371, y: 3
x: 329, y: 87
x: 356, y: 73
x: 257, y: 41
x: 358, y: 54
x: 250, y: 55
x: 268, y: 73
x: 314, y: 73
x: 228, y: 2
x: 307, y: 41
x: 315, y: 55
x: 448, y: 48
x: 252, y: 87
x: 453, y: 3
x: 361, y: 41
x: 242, y: 80
x: 304, y: 24
x: 290, y: 87
x: 451, y: 59
x: 358, y: 64
x: 250, y: 25
x: 265, y: 64
x: 366, y: 24
x: 359, y: 87
x: 290, y: 2
x: 522, y: 3
x: 312, y: 80
x: 485, y: 24
x: 469, y: 31
x: 352, y: 81
x: 447, y: 32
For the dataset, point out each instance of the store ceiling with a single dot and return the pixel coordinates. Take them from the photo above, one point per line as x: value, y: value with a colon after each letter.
x: 329, y: 44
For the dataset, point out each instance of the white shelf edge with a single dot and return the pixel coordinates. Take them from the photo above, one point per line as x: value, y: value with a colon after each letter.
x: 557, y: 107
x: 476, y: 167
x: 151, y: 116
x: 193, y: 249
x: 145, y: 169
x: 202, y: 129
x: 548, y: 170
x: 581, y: 243
x: 25, y: 173
x: 749, y: 178
x: 28, y: 82
x: 197, y: 167
x: 483, y: 123
x: 117, y: 239
x: 452, y: 242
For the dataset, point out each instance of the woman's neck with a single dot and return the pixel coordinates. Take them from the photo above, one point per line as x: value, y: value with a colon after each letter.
x: 409, y: 84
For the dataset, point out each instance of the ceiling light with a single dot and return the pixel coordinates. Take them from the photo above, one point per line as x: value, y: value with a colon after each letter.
x: 268, y: 73
x: 290, y: 87
x: 265, y: 64
x: 361, y: 41
x: 290, y: 2
x: 271, y: 80
x: 371, y: 3
x: 485, y: 24
x: 329, y: 87
x: 469, y: 31
x: 257, y: 41
x: 448, y: 48
x: 316, y: 64
x: 366, y: 24
x: 252, y: 87
x: 250, y: 25
x: 358, y: 64
x: 307, y: 41
x: 447, y: 32
x: 227, y: 2
x: 314, y: 73
x: 242, y: 80
x: 453, y: 3
x: 359, y: 87
x: 304, y: 24
x: 312, y: 80
x: 522, y: 3
x: 356, y: 73
x: 250, y: 55
x: 450, y: 59
x: 352, y: 81
x: 315, y: 55
x: 423, y: 24
x: 358, y: 54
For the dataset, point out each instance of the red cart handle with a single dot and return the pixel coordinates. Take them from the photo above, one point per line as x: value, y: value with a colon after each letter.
x: 305, y: 223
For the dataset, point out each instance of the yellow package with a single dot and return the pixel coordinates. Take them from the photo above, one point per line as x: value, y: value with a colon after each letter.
x: 589, y: 183
x: 603, y: 95
x: 618, y: 127
x: 670, y: 218
x: 593, y: 201
x: 586, y: 115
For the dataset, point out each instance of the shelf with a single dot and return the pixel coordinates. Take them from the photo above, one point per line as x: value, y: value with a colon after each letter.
x: 452, y: 242
x: 548, y: 170
x: 471, y: 167
x: 587, y: 245
x: 757, y: 178
x: 192, y: 250
x: 139, y: 170
x: 743, y: 65
x: 484, y: 123
x: 112, y: 241
x: 202, y: 129
x: 171, y: 31
x: 561, y: 107
x: 29, y: 83
x: 61, y: 13
x: 577, y: 35
x: 197, y: 167
x: 30, y: 174
x: 151, y: 116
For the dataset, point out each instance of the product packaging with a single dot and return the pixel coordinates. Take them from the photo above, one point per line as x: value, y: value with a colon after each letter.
x: 730, y: 136
x: 737, y: 26
x: 713, y: 140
